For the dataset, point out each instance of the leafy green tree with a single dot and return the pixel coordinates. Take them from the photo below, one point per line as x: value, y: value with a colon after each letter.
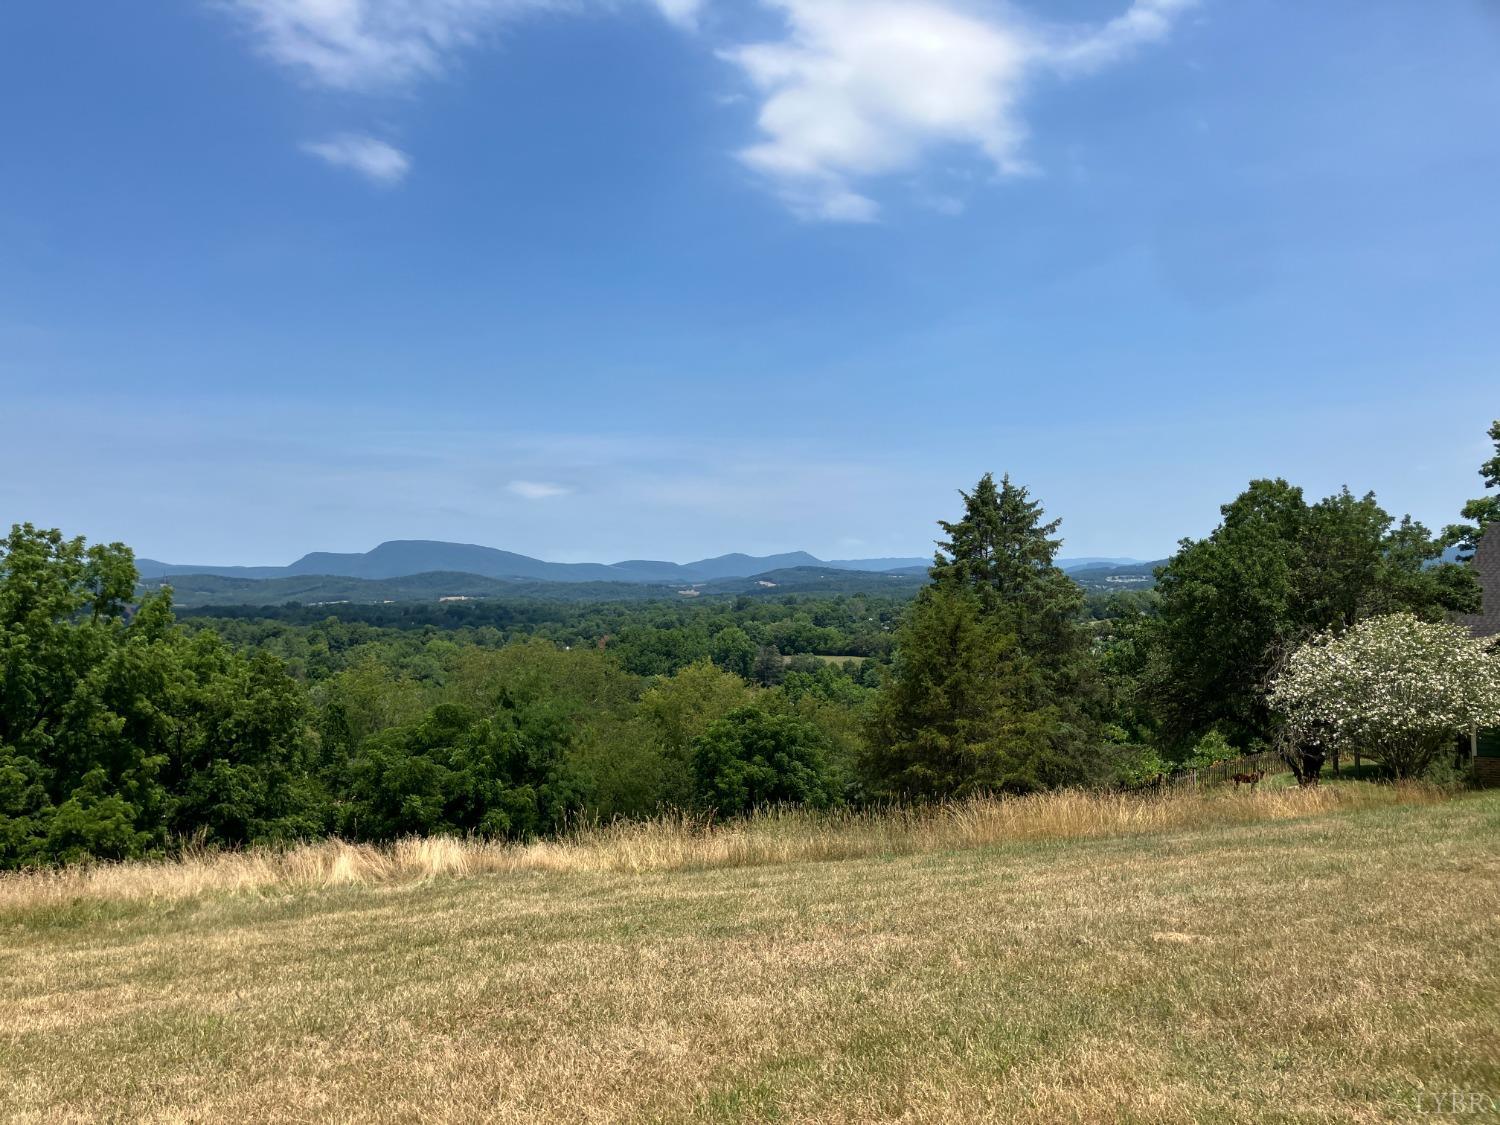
x: 1276, y: 571
x: 653, y: 650
x: 95, y: 823
x: 591, y: 699
x: 62, y: 609
x: 119, y: 732
x: 370, y: 695
x: 769, y: 667
x: 69, y: 780
x: 238, y: 763
x: 673, y: 714
x: 835, y: 699
x: 1482, y: 511
x: 501, y: 775
x: 734, y: 651
x: 752, y: 758
x: 1211, y: 749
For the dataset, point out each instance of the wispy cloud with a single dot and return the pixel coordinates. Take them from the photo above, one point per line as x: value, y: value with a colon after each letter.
x: 369, y: 45
x: 537, y: 490
x: 682, y: 12
x: 370, y: 157
x: 859, y: 89
x: 1143, y: 23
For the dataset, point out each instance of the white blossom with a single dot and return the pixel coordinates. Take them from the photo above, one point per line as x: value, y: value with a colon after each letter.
x: 1395, y: 687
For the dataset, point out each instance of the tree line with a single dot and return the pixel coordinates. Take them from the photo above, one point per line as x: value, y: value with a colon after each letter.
x: 125, y: 730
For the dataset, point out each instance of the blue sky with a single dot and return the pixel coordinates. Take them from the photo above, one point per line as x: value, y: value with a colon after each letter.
x: 602, y: 279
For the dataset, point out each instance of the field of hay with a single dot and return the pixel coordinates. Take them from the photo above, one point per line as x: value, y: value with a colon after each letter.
x: 1281, y: 955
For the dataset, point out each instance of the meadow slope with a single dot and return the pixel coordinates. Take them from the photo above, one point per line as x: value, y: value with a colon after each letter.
x: 1334, y: 966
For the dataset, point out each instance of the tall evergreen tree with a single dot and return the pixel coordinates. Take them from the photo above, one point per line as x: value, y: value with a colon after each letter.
x: 993, y: 670
x: 1005, y: 550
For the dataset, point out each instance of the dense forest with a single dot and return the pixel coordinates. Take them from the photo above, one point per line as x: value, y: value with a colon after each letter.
x: 129, y: 729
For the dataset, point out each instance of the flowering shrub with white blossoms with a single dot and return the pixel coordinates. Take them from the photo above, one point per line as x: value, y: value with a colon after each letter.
x: 1396, y: 687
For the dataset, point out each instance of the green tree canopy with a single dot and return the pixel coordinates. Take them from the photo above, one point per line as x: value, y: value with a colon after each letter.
x: 501, y: 774
x: 1004, y: 550
x: 656, y: 751
x: 751, y: 758
x: 1276, y: 571
x: 1482, y: 511
x: 734, y: 651
x: 118, y: 731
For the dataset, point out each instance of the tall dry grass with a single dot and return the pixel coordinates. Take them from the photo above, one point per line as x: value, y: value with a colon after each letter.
x: 680, y: 843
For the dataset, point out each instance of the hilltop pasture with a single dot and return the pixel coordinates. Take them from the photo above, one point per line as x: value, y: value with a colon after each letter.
x: 1280, y: 956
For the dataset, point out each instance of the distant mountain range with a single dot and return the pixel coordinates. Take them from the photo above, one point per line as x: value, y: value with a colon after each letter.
x: 408, y: 557
x: 200, y: 591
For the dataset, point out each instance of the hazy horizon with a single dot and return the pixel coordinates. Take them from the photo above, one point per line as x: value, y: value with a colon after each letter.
x: 1062, y: 556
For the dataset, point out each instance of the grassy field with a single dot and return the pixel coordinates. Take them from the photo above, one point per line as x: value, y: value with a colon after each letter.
x: 1235, y: 957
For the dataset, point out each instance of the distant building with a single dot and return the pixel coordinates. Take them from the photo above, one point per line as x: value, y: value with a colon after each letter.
x: 1486, y: 624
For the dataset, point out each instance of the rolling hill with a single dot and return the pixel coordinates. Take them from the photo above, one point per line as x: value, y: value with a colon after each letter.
x: 197, y: 591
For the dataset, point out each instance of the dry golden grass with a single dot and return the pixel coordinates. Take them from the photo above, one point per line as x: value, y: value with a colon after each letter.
x: 1298, y: 957
x: 685, y: 843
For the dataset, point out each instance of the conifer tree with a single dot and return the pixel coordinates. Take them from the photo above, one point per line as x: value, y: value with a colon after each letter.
x: 1004, y: 551
x: 992, y: 671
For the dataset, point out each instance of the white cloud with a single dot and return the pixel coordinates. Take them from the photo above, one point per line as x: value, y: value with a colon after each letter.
x: 850, y: 92
x: 371, y: 158
x: 537, y: 490
x: 859, y: 89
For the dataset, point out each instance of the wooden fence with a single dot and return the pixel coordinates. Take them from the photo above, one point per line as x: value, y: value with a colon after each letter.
x: 1267, y: 762
x: 1220, y: 773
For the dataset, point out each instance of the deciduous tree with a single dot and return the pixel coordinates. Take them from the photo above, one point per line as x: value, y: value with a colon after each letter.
x: 1275, y: 572
x: 1394, y: 687
x: 1482, y: 511
x: 752, y: 758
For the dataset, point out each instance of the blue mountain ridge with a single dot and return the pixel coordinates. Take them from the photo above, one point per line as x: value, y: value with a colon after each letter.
x: 403, y: 558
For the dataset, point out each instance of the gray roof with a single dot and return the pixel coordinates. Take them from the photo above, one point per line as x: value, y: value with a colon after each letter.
x: 1486, y: 623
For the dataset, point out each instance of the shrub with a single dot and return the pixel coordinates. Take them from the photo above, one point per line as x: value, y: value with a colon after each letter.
x: 752, y: 758
x: 1211, y: 748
